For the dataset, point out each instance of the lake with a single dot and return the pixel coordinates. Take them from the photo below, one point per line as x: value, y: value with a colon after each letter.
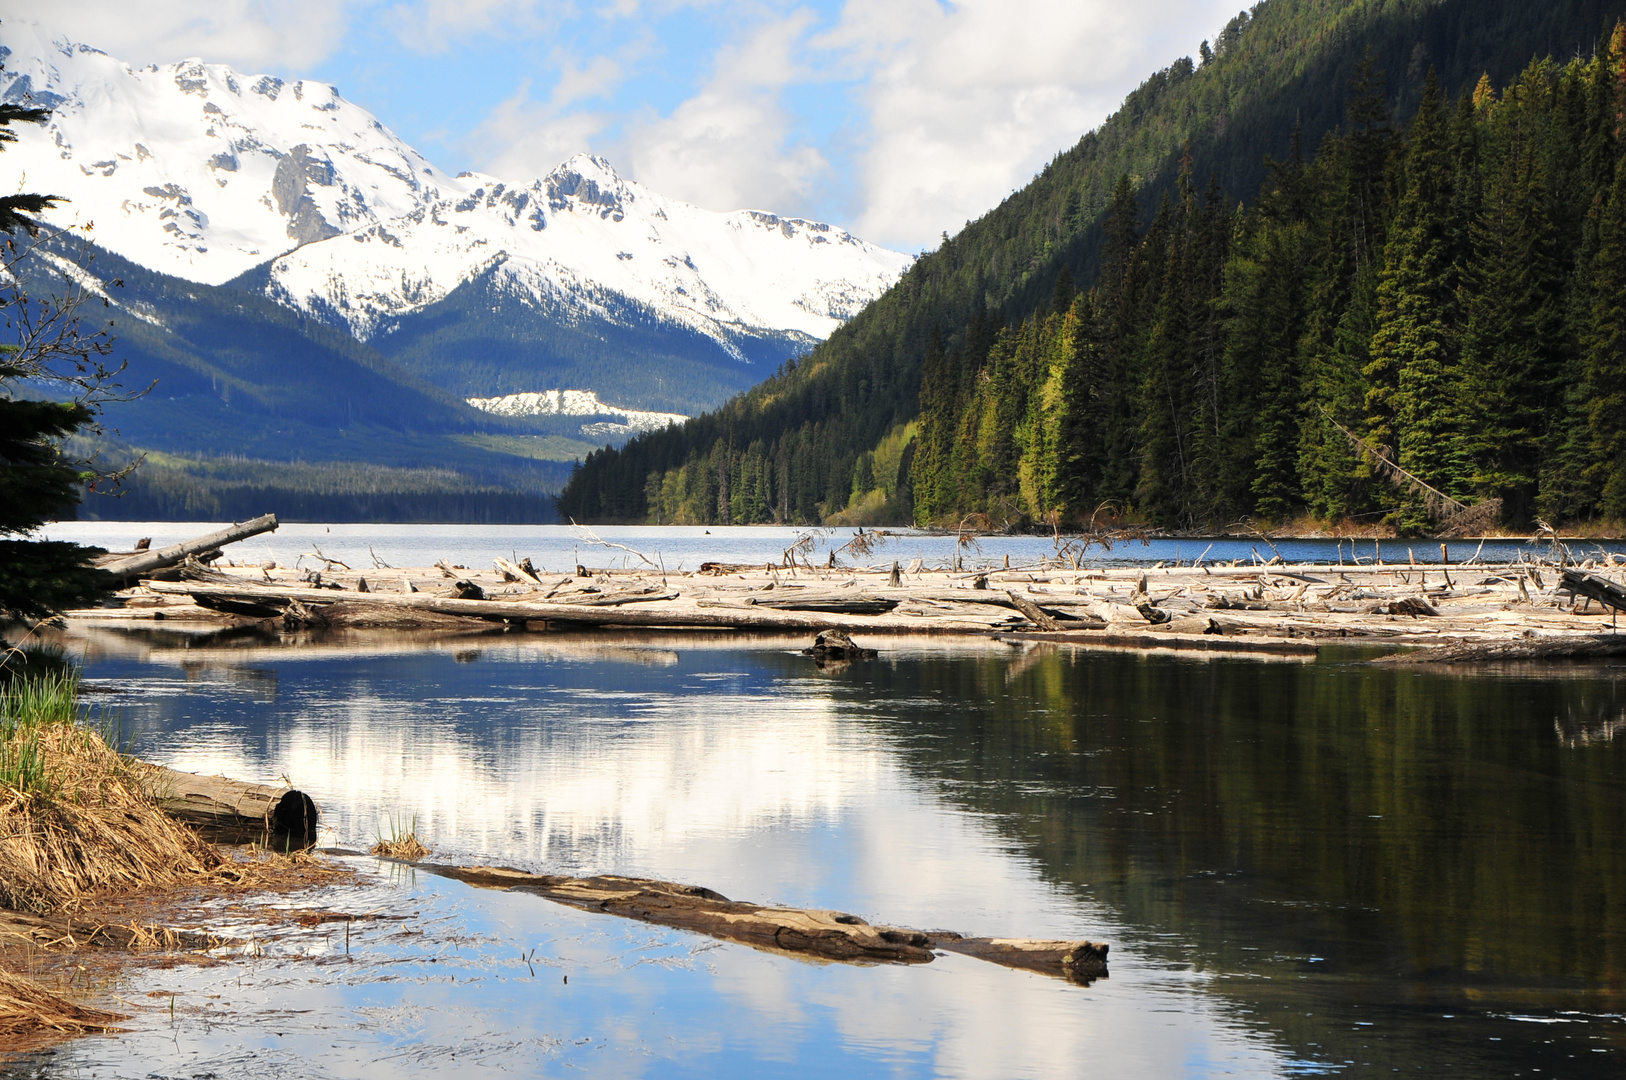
x: 1302, y: 867
x: 677, y: 547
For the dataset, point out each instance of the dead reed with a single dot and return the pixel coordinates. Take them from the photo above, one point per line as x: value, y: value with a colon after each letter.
x: 403, y: 843
x: 73, y: 822
x: 28, y: 1010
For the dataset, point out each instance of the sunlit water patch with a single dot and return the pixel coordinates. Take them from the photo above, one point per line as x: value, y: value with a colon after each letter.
x: 1302, y: 868
x: 554, y: 548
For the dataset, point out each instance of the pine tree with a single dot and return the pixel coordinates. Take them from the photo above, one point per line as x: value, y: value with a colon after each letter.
x: 1605, y: 359
x: 1411, y: 398
x: 38, y: 481
x: 1512, y: 354
x: 1341, y: 302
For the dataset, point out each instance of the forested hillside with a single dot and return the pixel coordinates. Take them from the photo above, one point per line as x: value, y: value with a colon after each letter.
x: 1194, y: 381
x: 1449, y: 298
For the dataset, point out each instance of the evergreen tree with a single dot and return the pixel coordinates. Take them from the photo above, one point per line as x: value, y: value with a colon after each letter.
x: 1512, y: 352
x: 38, y: 481
x: 1605, y: 362
x: 1411, y: 397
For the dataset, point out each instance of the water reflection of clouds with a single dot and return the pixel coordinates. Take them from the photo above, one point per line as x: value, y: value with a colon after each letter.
x: 758, y: 783
x: 452, y: 995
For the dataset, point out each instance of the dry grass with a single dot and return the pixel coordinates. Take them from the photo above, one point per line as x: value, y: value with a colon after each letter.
x: 85, y: 848
x: 29, y: 1010
x: 407, y: 848
x: 403, y: 843
x: 73, y: 821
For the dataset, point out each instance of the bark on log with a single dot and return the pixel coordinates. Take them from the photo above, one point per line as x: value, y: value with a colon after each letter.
x: 222, y: 598
x: 146, y: 562
x: 512, y: 571
x: 827, y: 935
x: 835, y: 605
x: 1594, y: 587
x: 1589, y: 647
x: 231, y: 810
x: 1031, y: 610
x: 617, y: 599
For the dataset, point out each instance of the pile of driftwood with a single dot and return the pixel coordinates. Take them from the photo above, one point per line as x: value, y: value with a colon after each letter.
x: 1262, y: 607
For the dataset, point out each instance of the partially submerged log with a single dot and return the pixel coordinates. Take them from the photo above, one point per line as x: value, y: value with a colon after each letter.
x: 825, y: 935
x: 1592, y: 647
x: 231, y: 810
x: 145, y: 562
x: 835, y: 645
x: 1147, y: 639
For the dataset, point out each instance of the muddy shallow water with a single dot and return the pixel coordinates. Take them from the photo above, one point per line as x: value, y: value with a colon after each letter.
x: 1301, y: 867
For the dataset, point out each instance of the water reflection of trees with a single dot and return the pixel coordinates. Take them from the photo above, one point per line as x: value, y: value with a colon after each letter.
x: 1594, y: 716
x: 1416, y: 834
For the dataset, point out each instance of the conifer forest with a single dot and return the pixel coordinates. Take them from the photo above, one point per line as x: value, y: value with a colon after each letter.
x: 1412, y: 317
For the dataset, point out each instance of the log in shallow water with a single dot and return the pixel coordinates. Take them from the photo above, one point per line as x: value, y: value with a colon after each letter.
x: 826, y: 935
x: 232, y: 810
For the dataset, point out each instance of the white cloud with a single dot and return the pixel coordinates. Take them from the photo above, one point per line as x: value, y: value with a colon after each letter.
x: 433, y: 26
x: 523, y: 138
x: 247, y: 34
x: 960, y: 101
x: 966, y: 102
x: 725, y: 147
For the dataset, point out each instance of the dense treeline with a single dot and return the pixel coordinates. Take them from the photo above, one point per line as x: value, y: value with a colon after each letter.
x: 167, y: 487
x: 797, y: 447
x: 1449, y: 297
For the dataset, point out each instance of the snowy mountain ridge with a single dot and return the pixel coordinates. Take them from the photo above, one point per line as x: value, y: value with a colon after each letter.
x: 197, y: 171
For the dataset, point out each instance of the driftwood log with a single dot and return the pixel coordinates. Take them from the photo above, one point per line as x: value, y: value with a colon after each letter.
x: 233, y: 811
x: 1594, y: 587
x: 264, y: 602
x: 834, y: 646
x: 146, y: 562
x: 1591, y: 647
x: 825, y: 935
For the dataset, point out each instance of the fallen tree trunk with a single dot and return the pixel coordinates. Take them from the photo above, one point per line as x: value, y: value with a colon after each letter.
x: 230, y: 810
x: 244, y: 599
x: 827, y: 935
x: 1594, y: 587
x: 1034, y: 615
x: 145, y: 562
x: 1589, y: 647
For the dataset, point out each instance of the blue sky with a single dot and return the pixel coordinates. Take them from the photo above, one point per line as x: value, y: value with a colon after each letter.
x: 899, y: 119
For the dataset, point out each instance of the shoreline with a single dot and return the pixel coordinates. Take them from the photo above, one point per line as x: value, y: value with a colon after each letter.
x: 1259, y: 608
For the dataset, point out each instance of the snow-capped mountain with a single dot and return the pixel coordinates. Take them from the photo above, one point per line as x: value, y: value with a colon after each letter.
x: 586, y: 236
x: 203, y: 173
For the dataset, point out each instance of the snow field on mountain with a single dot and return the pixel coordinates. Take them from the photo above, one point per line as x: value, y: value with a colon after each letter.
x: 190, y: 168
x: 577, y: 403
x: 194, y: 170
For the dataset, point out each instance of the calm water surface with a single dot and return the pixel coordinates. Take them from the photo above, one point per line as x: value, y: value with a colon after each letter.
x: 1301, y: 867
x: 561, y: 547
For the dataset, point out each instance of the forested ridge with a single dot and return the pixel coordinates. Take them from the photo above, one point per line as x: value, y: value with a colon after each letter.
x: 1269, y: 327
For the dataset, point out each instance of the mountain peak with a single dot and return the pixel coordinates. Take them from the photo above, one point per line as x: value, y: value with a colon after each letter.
x: 199, y: 171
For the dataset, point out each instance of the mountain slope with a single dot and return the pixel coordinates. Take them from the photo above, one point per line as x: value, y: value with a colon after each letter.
x: 242, y: 389
x: 800, y: 441
x: 287, y: 189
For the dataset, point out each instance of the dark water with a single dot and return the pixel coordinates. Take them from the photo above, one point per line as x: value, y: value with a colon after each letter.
x: 1316, y: 868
